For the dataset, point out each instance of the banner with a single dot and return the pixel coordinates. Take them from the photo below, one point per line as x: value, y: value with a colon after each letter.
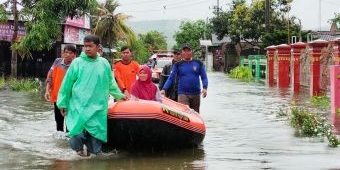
x: 7, y: 30
x: 82, y: 22
x: 75, y: 35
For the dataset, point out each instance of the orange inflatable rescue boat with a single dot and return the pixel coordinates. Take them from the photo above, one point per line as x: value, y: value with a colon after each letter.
x: 146, y: 124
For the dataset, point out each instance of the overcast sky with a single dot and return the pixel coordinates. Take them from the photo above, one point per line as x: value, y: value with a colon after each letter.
x: 307, y: 10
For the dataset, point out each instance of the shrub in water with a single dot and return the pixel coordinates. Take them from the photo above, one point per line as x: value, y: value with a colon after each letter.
x: 312, y: 125
x: 23, y: 84
x: 2, y: 82
x: 242, y: 73
x: 320, y: 101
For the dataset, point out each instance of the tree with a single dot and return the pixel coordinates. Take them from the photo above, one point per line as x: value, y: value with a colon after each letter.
x: 246, y: 23
x: 42, y: 22
x: 154, y: 40
x: 139, y: 50
x: 336, y: 19
x: 111, y: 27
x: 191, y: 32
x: 220, y: 24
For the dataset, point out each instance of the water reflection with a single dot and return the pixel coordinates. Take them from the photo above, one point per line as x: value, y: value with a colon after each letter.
x: 243, y: 132
x: 336, y: 123
x: 181, y: 159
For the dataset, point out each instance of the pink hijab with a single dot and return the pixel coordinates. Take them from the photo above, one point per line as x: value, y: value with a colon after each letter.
x: 144, y: 89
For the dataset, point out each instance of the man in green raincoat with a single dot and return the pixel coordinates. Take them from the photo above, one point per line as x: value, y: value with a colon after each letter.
x: 83, y: 98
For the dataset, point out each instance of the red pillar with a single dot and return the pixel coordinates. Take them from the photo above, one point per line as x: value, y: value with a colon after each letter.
x: 297, y: 50
x: 336, y: 49
x: 335, y: 91
x: 315, y: 77
x: 270, y: 64
x: 283, y: 56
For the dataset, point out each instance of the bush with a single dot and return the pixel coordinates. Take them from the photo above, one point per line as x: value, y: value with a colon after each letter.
x: 23, y: 84
x: 320, y: 101
x: 241, y: 73
x: 312, y: 125
x: 2, y: 83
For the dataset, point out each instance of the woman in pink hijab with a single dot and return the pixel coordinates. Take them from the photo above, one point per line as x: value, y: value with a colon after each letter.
x: 144, y: 88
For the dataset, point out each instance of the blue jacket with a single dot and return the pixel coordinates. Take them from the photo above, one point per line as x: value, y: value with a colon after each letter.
x: 189, y: 74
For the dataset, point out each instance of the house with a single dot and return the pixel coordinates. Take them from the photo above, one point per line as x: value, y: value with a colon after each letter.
x: 74, y: 30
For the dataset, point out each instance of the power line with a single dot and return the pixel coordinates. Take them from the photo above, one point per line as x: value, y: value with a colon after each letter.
x: 177, y: 2
x: 142, y: 2
x: 196, y: 3
x: 151, y: 1
x: 165, y: 7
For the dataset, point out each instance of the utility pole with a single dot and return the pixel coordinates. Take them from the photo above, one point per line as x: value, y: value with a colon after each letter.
x: 288, y: 23
x: 14, y: 55
x: 267, y: 16
x: 217, y: 8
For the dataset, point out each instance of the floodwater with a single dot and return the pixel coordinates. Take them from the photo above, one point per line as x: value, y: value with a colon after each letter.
x: 243, y: 132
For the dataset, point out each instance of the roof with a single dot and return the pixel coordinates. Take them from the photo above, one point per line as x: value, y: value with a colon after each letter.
x: 326, y: 35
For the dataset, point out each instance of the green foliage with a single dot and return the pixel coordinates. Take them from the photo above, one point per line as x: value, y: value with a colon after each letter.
x: 192, y: 32
x: 44, y: 20
x: 243, y: 22
x: 219, y: 24
x: 2, y: 82
x: 154, y: 40
x: 312, y: 125
x: 242, y: 73
x: 336, y: 19
x: 140, y: 52
x: 111, y: 27
x: 3, y: 14
x: 23, y: 84
x: 320, y: 101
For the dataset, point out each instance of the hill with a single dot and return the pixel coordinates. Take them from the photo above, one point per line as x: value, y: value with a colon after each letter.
x: 167, y: 27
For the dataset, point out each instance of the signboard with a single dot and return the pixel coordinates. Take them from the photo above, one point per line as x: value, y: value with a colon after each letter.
x: 75, y: 35
x: 7, y: 30
x: 82, y: 22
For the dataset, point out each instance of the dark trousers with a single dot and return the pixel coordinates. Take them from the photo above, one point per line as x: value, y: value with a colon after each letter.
x: 193, y: 101
x: 59, y: 118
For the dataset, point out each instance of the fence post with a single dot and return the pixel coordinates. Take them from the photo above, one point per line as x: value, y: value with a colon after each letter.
x: 270, y: 64
x: 283, y: 52
x: 335, y: 91
x: 257, y: 68
x: 250, y: 63
x: 297, y: 50
x: 316, y: 47
x: 242, y: 61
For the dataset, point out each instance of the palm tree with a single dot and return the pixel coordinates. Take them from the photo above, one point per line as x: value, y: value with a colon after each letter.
x: 111, y: 27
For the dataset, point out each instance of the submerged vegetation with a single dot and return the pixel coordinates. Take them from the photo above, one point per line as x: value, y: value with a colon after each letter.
x: 320, y: 101
x: 308, y: 124
x: 27, y: 84
x: 241, y: 73
x: 2, y: 82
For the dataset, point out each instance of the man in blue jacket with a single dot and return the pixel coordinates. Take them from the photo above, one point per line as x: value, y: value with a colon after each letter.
x: 189, y: 72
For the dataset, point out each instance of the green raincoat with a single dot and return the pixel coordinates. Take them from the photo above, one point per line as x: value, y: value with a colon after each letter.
x: 84, y: 93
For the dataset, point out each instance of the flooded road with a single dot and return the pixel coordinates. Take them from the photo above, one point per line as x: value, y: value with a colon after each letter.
x: 243, y: 132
